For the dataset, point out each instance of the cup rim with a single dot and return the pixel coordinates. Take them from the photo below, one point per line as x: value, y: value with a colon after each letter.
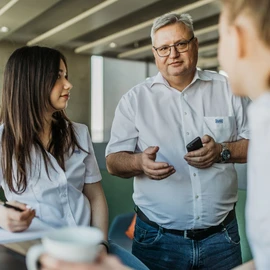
x: 56, y: 236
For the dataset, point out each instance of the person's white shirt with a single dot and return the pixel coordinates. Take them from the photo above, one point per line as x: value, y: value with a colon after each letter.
x: 155, y: 114
x: 258, y: 199
x: 58, y: 199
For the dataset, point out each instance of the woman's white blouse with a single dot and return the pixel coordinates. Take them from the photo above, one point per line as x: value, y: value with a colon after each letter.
x: 58, y: 199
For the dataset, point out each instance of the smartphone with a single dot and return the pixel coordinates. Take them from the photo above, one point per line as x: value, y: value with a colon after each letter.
x: 194, y: 144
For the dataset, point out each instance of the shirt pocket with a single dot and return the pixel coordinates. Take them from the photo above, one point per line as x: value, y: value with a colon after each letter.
x: 222, y: 129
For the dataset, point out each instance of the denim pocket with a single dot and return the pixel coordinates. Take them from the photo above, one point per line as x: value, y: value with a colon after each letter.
x: 231, y: 233
x: 146, y: 234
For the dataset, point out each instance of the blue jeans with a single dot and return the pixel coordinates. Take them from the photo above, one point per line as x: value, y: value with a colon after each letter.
x: 159, y: 250
x: 126, y: 257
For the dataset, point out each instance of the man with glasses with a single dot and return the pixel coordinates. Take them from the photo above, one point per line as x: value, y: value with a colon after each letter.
x: 184, y: 201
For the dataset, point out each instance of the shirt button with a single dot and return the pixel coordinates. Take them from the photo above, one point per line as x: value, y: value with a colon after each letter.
x: 187, y: 133
x: 185, y: 113
x: 198, y: 217
x: 194, y: 174
x: 197, y: 196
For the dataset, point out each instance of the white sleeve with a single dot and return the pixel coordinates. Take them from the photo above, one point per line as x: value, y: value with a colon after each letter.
x: 92, y: 173
x: 124, y: 133
x: 240, y: 109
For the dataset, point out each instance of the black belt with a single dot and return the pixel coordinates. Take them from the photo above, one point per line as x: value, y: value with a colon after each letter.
x: 197, y: 234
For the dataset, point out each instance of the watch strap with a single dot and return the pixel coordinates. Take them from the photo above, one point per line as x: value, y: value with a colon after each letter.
x: 106, y: 244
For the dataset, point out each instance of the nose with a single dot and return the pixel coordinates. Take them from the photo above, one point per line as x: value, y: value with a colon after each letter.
x: 174, y: 53
x: 68, y: 85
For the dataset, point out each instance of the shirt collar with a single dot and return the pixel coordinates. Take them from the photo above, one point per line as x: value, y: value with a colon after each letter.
x: 199, y: 75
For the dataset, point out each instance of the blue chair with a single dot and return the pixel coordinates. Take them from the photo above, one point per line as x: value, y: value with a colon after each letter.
x: 118, y: 228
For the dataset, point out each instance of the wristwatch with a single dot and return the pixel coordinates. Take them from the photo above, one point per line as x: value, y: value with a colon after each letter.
x: 225, y: 153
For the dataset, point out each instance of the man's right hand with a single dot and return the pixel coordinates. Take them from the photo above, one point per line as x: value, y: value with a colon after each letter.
x: 15, y: 221
x: 151, y: 168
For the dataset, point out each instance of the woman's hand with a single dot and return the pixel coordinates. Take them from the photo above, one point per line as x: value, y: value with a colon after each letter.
x: 16, y: 221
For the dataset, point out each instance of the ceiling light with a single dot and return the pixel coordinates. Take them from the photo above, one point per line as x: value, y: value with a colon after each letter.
x: 70, y: 22
x: 135, y: 51
x: 4, y: 29
x: 112, y: 45
x: 7, y: 6
x: 207, y: 62
x: 208, y: 48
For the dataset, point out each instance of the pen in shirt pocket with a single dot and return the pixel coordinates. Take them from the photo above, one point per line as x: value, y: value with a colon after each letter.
x: 5, y: 204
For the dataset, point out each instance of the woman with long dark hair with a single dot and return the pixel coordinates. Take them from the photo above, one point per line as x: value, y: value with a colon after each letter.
x: 47, y: 161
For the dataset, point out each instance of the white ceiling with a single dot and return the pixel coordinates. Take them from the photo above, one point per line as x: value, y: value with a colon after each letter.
x: 90, y: 26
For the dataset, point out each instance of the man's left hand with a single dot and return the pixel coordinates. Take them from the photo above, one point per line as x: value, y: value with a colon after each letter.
x: 206, y: 156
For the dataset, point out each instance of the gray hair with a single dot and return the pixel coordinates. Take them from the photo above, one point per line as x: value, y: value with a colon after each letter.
x: 171, y: 18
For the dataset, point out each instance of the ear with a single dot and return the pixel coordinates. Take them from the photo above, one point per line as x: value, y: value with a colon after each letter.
x: 196, y: 42
x: 154, y: 53
x: 241, y: 41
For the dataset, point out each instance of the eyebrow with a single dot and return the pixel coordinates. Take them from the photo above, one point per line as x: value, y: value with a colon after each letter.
x: 180, y: 40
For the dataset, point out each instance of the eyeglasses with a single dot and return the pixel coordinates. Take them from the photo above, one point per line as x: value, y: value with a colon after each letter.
x: 180, y: 47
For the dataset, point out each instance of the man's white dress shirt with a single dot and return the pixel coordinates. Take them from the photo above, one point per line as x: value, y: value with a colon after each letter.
x: 258, y: 199
x: 155, y: 114
x: 58, y: 199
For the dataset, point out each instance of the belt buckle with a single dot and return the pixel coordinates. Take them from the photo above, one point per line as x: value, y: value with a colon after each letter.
x: 196, y: 235
x: 191, y: 234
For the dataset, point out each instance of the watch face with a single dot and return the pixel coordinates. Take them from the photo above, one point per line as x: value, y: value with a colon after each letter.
x: 226, y: 154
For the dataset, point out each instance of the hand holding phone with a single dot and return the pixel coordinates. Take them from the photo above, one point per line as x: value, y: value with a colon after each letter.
x: 194, y: 144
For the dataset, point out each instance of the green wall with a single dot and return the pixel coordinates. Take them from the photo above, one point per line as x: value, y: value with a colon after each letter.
x: 118, y: 192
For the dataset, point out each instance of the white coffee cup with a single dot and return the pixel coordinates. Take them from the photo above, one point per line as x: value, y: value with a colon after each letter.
x: 74, y: 244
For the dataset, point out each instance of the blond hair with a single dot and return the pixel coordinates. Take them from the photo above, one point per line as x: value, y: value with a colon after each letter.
x: 258, y: 10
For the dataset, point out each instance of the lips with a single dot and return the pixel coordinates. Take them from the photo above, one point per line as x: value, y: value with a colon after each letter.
x: 66, y: 96
x: 175, y: 63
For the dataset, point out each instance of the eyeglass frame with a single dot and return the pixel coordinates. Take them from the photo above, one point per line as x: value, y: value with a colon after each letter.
x: 174, y: 45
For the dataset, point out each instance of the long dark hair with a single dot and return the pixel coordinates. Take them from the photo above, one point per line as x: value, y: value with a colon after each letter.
x: 30, y: 75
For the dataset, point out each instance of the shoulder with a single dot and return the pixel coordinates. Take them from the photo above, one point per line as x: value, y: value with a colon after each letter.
x: 82, y: 134
x: 81, y: 130
x: 214, y: 76
x: 217, y: 83
x: 79, y: 126
x: 139, y: 88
